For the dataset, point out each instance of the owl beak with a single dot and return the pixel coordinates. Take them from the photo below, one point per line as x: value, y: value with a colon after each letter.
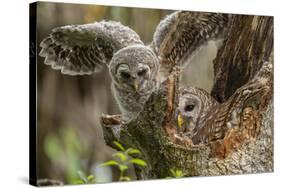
x: 180, y: 120
x: 136, y: 84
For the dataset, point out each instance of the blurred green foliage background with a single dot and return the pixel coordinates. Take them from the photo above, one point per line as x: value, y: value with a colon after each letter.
x: 69, y: 133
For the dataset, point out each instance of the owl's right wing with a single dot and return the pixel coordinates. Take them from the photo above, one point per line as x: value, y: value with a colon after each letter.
x: 182, y: 33
x: 81, y: 49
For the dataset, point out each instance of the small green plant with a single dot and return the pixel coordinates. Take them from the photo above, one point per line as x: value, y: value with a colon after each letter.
x: 176, y: 173
x: 83, y: 179
x: 123, y: 159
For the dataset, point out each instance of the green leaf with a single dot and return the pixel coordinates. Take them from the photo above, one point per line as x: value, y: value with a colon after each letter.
x: 132, y: 151
x: 91, y: 177
x: 123, y: 167
x: 173, y: 172
x: 78, y: 182
x: 119, y: 145
x: 82, y: 176
x: 109, y: 163
x: 125, y: 178
x: 139, y: 162
x: 122, y: 156
x: 177, y: 173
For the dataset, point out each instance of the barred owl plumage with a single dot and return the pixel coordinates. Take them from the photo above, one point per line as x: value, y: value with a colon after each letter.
x: 196, y: 108
x: 201, y: 119
x: 135, y: 69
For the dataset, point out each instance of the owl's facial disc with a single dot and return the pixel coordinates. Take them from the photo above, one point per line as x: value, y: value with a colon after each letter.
x: 187, y: 112
x: 134, y: 68
x: 133, y: 78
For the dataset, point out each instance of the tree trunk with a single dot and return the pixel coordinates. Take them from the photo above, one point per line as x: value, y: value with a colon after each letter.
x: 249, y: 44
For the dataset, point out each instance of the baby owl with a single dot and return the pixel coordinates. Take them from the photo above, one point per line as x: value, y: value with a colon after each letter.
x: 202, y: 119
x: 135, y: 69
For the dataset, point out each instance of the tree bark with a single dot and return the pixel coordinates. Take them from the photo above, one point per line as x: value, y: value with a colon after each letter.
x: 248, y: 45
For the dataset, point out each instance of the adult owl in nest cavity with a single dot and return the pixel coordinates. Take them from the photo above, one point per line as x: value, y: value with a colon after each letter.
x: 136, y: 69
x: 201, y: 119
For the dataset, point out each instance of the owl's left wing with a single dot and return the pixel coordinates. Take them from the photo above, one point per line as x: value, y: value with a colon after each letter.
x: 181, y: 34
x: 81, y: 49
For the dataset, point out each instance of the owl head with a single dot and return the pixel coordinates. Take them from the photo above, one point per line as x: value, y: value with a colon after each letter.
x: 193, y: 106
x: 133, y: 68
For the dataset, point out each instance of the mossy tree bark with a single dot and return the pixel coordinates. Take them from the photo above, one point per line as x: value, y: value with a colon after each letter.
x: 248, y: 45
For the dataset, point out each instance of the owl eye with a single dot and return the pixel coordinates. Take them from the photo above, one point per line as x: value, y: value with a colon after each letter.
x: 125, y: 75
x: 142, y: 72
x: 189, y: 108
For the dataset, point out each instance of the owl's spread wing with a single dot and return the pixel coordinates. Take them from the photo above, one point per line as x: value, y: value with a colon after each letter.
x: 182, y: 33
x: 82, y: 49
